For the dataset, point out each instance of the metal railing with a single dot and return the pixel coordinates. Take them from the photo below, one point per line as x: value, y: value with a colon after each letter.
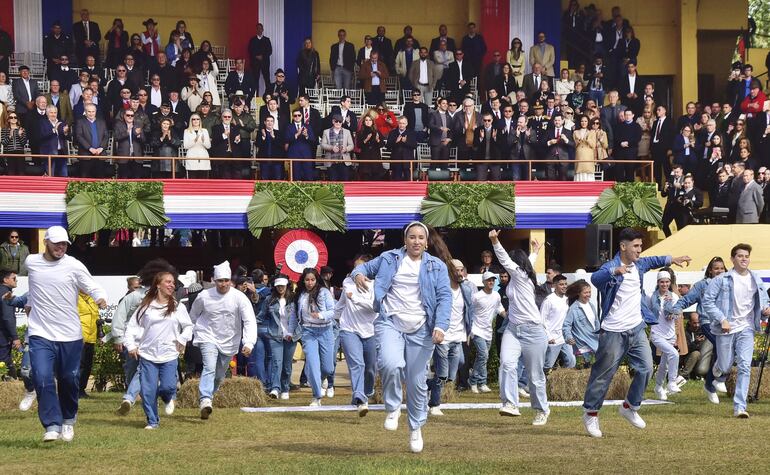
x: 423, y: 165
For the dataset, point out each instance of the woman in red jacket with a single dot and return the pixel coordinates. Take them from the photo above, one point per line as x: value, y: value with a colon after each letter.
x: 755, y: 101
x: 386, y: 120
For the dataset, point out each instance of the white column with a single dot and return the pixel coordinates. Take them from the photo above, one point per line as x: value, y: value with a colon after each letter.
x: 28, y: 25
x: 271, y: 15
x: 521, y: 24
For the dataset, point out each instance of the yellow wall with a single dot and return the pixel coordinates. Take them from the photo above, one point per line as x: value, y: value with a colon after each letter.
x: 713, y: 14
x: 361, y: 17
x: 206, y: 19
x: 756, y: 57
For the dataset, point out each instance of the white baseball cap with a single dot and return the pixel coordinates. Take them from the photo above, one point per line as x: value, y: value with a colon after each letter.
x: 488, y: 275
x: 280, y: 281
x: 57, y: 234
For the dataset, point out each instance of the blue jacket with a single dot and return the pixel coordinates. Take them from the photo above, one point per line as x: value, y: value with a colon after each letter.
x: 718, y: 301
x: 608, y: 283
x: 434, y: 284
x: 577, y: 326
x: 668, y: 308
x: 259, y: 308
x: 694, y: 296
x: 271, y: 319
x: 467, y: 289
x: 325, y: 307
x: 299, y: 147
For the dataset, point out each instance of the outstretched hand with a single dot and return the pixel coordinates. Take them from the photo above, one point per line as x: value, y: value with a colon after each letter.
x: 681, y: 260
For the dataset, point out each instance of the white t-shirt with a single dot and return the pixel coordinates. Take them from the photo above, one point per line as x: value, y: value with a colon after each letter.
x: 157, y: 334
x: 666, y: 328
x: 356, y: 313
x: 520, y: 291
x: 554, y: 311
x: 589, y: 311
x: 456, y: 331
x: 484, y: 307
x: 53, y: 296
x: 404, y: 300
x: 744, y: 288
x: 284, y: 317
x: 626, y: 310
x: 221, y: 319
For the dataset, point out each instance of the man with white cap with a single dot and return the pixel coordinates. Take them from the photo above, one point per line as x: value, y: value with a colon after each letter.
x: 220, y: 315
x: 554, y: 311
x: 55, y: 335
x: 486, y: 303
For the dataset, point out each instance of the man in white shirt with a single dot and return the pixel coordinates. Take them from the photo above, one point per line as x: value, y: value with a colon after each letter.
x: 554, y: 310
x: 736, y: 302
x: 221, y: 315
x: 55, y: 334
x: 485, y: 305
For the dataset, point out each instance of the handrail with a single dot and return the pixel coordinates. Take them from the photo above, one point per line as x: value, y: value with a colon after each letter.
x: 421, y: 163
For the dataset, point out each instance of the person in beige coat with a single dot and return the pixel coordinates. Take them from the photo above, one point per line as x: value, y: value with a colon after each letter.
x: 544, y: 54
x: 337, y: 143
x: 590, y: 145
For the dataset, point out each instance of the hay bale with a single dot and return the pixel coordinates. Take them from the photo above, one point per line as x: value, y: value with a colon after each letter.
x: 764, y: 389
x: 448, y: 394
x: 570, y: 384
x: 234, y: 392
x: 11, y: 393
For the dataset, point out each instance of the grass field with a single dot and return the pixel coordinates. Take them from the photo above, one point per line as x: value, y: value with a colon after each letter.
x: 687, y: 437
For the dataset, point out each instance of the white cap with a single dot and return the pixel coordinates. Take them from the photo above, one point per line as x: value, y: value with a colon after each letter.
x: 458, y: 264
x: 223, y: 271
x: 663, y: 275
x: 280, y: 281
x: 488, y: 275
x: 56, y: 234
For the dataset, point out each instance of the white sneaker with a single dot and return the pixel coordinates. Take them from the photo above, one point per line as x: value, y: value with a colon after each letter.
x: 125, y: 407
x: 391, y: 420
x: 712, y: 397
x: 169, y: 408
x: 324, y: 384
x: 741, y: 414
x: 330, y: 392
x: 149, y: 427
x: 284, y: 396
x: 592, y: 425
x: 660, y: 393
x: 540, y: 418
x: 315, y: 403
x: 720, y: 386
x: 508, y: 409
x: 415, y: 441
x: 474, y: 389
x: 680, y: 381
x: 632, y: 416
x: 27, y: 401
x: 273, y: 394
x: 484, y: 389
x: 363, y: 409
x: 67, y: 432
x: 205, y: 408
x: 523, y: 393
x: 435, y: 411
x: 672, y: 388
x: 51, y: 436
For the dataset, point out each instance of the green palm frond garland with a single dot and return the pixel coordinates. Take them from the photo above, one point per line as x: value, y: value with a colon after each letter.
x: 118, y: 205
x: 285, y: 205
x: 469, y: 205
x: 629, y: 205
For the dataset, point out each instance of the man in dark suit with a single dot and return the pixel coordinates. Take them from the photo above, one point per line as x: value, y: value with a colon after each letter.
x: 86, y: 34
x: 759, y: 129
x: 56, y: 44
x: 129, y: 142
x: 673, y: 190
x: 663, y: 132
x: 301, y: 142
x: 736, y: 188
x: 32, y: 121
x: 260, y: 50
x: 611, y: 116
x: 492, y: 72
x: 525, y: 141
x: 531, y: 81
x: 415, y: 110
x: 627, y: 136
x: 280, y: 116
x: 384, y: 46
x: 441, y: 127
x: 64, y: 74
x: 631, y: 90
x: 459, y: 75
x: 53, y: 141
x: 486, y: 148
x: 25, y: 91
x: 442, y: 35
x: 401, y: 42
x: 558, y: 142
x: 6, y: 48
x: 401, y: 144
x: 342, y: 58
x: 91, y: 139
x: 179, y: 107
x: 474, y: 46
x: 225, y: 140
x: 349, y: 118
x: 238, y: 80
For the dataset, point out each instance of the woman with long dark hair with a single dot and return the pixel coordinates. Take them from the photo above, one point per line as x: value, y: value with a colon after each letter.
x: 517, y: 58
x: 117, y: 44
x: 524, y: 337
x: 308, y: 66
x: 280, y: 316
x: 184, y: 35
x: 315, y: 311
x: 414, y: 299
x: 156, y: 335
x: 581, y: 325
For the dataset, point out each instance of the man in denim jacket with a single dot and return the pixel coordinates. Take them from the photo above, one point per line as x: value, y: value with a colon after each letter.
x: 624, y: 315
x: 736, y: 302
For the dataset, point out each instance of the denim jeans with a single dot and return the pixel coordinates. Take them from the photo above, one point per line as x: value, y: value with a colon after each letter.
x: 258, y: 365
x: 318, y: 345
x: 361, y: 356
x: 26, y: 370
x: 709, y: 378
x: 613, y: 346
x: 404, y: 356
x: 669, y: 360
x: 479, y: 375
x: 214, y: 368
x: 330, y: 378
x: 738, y: 347
x: 56, y: 366
x: 133, y: 380
x: 553, y: 352
x: 447, y: 358
x: 158, y: 380
x: 526, y: 342
x: 281, y: 355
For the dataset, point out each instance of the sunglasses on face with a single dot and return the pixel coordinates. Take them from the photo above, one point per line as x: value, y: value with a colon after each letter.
x: 12, y: 117
x: 297, y: 115
x: 129, y: 115
x: 487, y: 120
x: 14, y: 237
x: 196, y: 119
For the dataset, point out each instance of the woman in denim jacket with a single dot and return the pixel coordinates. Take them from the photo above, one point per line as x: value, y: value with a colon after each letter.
x: 315, y: 311
x: 279, y: 316
x: 413, y: 298
x: 581, y: 325
x: 663, y: 335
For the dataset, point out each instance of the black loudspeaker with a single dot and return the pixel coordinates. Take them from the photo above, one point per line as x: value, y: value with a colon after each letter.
x: 598, y: 245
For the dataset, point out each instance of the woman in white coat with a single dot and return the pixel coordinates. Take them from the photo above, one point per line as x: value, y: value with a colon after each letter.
x: 208, y: 80
x: 197, y: 143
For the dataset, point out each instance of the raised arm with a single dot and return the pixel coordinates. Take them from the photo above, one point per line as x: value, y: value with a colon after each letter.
x: 502, y: 255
